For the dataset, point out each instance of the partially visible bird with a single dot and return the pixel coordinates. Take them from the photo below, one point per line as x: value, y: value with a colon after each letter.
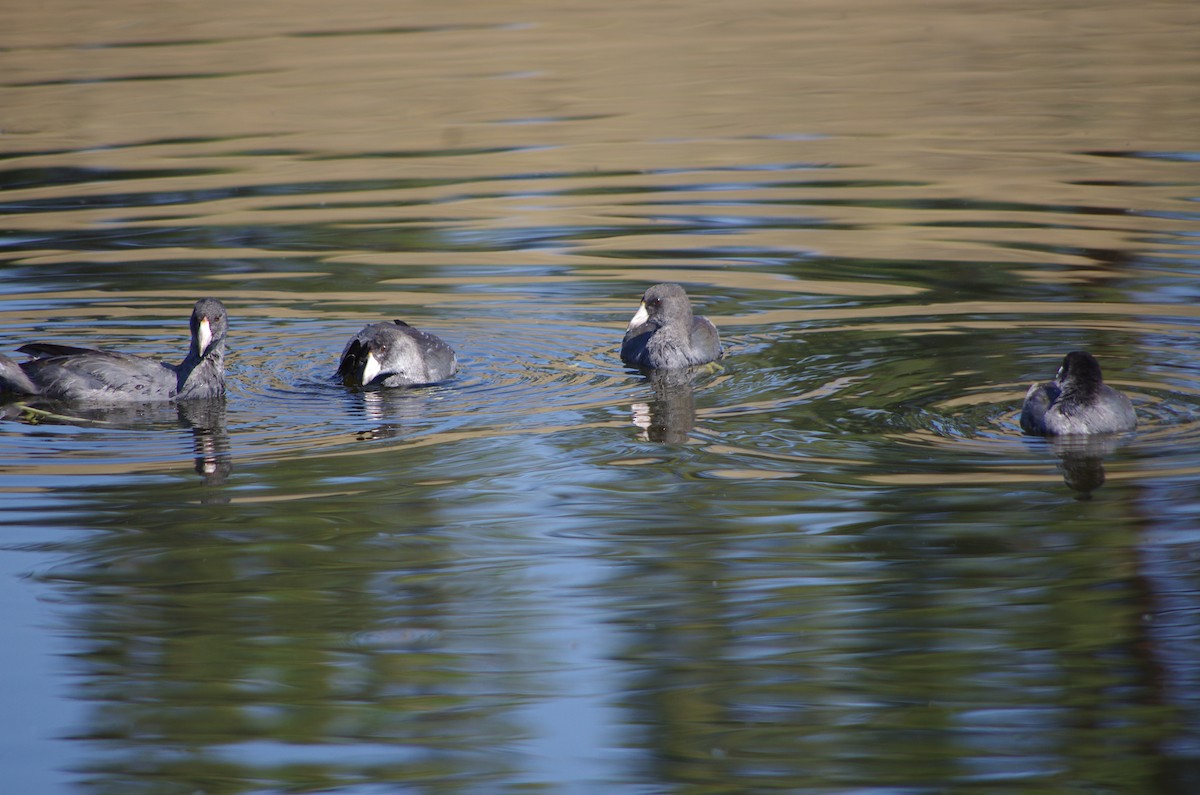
x: 93, y: 376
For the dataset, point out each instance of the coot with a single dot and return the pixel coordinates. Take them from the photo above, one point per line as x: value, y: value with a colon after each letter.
x: 664, y: 334
x: 395, y: 354
x: 1077, y: 401
x: 90, y: 376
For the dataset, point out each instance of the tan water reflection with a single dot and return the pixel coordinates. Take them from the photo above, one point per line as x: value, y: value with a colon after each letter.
x: 991, y: 121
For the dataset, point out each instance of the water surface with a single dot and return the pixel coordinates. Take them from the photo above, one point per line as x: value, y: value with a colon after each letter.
x: 831, y: 564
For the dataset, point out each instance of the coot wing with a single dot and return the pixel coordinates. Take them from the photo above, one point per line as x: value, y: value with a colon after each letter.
x: 440, y: 363
x: 52, y: 349
x: 1038, y: 400
x: 101, y: 376
x: 706, y: 342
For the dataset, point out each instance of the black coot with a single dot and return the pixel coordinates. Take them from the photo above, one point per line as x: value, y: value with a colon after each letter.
x: 664, y: 334
x: 395, y: 354
x: 89, y: 376
x: 1077, y: 401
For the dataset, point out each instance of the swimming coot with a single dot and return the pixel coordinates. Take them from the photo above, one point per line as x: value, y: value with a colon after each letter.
x: 664, y: 334
x: 1077, y: 401
x: 86, y: 375
x: 395, y: 354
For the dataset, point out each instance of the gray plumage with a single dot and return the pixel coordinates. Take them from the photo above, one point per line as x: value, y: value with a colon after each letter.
x: 395, y: 354
x: 91, y: 376
x: 1077, y: 401
x: 664, y: 334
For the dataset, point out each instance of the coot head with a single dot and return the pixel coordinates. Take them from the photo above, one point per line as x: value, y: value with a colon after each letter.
x: 1079, y: 377
x: 663, y: 305
x: 209, y: 325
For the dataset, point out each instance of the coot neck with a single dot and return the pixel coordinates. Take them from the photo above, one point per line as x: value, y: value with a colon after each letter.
x: 1077, y: 395
x: 203, y: 376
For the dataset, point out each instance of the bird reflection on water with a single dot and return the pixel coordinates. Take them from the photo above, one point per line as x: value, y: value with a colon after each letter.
x: 211, y: 448
x: 210, y: 439
x: 391, y: 412
x: 1081, y: 459
x: 670, y: 417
